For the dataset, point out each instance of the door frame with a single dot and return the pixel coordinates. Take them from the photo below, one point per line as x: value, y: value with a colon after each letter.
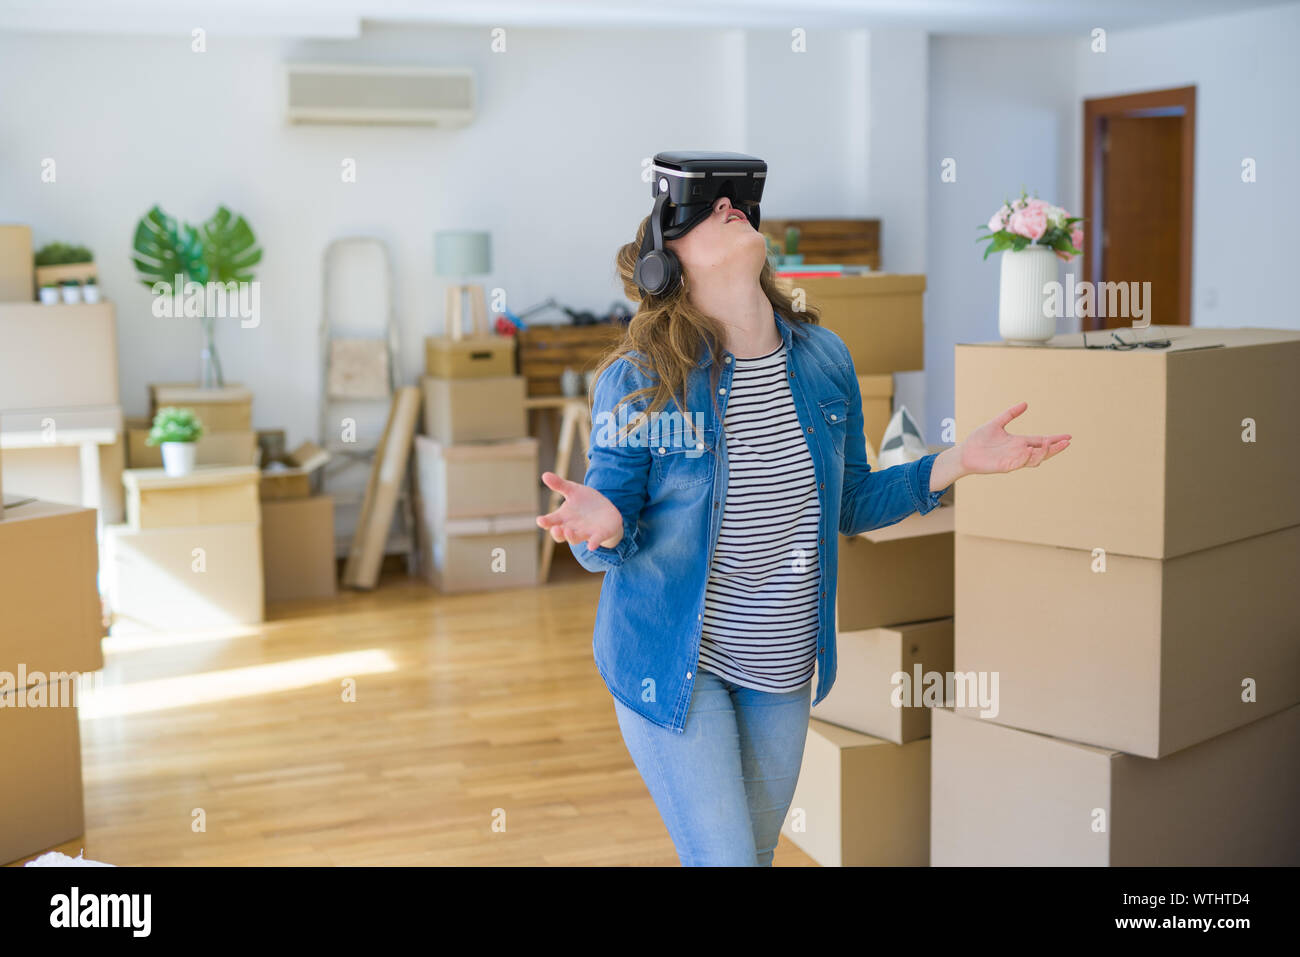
x: 1150, y: 103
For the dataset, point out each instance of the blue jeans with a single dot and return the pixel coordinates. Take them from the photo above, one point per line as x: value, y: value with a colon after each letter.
x: 724, y: 785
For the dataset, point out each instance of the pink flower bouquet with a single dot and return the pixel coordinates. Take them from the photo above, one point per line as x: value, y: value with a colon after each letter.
x: 1019, y: 222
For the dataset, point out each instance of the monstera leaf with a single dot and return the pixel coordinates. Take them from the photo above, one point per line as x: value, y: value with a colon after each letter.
x: 165, y: 248
x: 229, y: 247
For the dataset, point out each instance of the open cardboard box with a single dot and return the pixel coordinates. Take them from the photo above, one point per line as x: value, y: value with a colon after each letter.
x: 897, y: 574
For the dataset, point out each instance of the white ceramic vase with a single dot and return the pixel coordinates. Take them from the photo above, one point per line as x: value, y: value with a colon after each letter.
x: 178, y: 457
x: 1023, y: 293
x: 49, y: 295
x: 90, y: 294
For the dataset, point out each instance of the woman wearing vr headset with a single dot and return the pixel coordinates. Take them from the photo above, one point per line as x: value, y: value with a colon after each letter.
x: 727, y: 457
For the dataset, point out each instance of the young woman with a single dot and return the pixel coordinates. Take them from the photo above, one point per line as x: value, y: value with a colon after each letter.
x: 715, y: 518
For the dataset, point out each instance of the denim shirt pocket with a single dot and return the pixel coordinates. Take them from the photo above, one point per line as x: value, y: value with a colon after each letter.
x: 835, y: 413
x: 685, y: 458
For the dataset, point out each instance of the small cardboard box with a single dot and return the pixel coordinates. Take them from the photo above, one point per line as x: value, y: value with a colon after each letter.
x: 1003, y: 797
x: 477, y: 480
x: 877, y: 406
x: 474, y: 410
x: 472, y: 357
x: 57, y: 357
x: 17, y: 264
x: 868, y: 698
x: 1174, y: 450
x: 41, y: 746
x: 878, y: 315
x: 481, y: 554
x: 298, y: 548
x: 225, y: 409
x: 1145, y: 656
x: 897, y: 574
x: 210, y: 495
x: 50, y: 616
x: 861, y: 801
x: 287, y: 483
x: 213, y: 448
x: 184, y: 579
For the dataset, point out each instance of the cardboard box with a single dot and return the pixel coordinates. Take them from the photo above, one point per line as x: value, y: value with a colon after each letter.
x: 184, y: 579
x: 210, y: 495
x: 474, y: 410
x: 214, y: 448
x: 284, y: 484
x: 866, y: 696
x: 1147, y: 657
x: 298, y: 549
x: 1157, y: 466
x: 469, y: 358
x: 877, y: 406
x: 225, y: 409
x: 897, y: 574
x: 57, y: 357
x: 17, y: 264
x: 49, y: 596
x: 41, y: 747
x: 879, y: 317
x: 860, y: 801
x: 477, y: 480
x: 481, y: 554
x: 1003, y: 797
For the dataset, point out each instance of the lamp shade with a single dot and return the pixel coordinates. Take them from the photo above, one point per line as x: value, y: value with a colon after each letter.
x: 462, y: 253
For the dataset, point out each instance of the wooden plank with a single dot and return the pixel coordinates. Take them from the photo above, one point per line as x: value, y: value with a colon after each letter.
x: 387, y: 473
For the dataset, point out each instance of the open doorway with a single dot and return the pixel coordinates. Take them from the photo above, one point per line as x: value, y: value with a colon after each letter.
x: 1138, y: 174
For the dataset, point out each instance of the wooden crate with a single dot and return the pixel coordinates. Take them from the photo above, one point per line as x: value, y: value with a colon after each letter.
x: 212, y: 495
x: 545, y: 351
x: 845, y: 241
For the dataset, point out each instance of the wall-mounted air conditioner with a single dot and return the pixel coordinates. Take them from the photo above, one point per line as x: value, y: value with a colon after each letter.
x: 379, y: 95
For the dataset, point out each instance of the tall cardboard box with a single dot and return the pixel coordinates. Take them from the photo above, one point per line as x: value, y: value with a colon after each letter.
x: 870, y: 697
x: 225, y: 409
x: 474, y: 410
x: 184, y: 579
x: 477, y: 480
x: 1147, y: 657
x: 50, y: 617
x: 210, y: 495
x: 861, y: 801
x: 900, y: 573
x: 17, y: 264
x: 1003, y: 797
x: 41, y: 803
x: 298, y: 548
x: 1174, y: 450
x: 57, y: 357
x: 878, y: 315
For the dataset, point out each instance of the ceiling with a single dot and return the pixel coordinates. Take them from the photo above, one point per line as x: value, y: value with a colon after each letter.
x: 344, y: 18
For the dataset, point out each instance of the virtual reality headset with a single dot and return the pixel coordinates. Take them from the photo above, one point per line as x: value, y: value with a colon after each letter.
x: 685, y: 186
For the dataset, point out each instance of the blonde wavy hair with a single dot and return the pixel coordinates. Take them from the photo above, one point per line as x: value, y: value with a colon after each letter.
x: 665, y: 336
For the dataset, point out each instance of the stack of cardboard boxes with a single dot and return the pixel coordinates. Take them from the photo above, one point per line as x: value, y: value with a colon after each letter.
x: 476, y: 468
x: 863, y: 791
x: 1135, y: 598
x: 297, y: 528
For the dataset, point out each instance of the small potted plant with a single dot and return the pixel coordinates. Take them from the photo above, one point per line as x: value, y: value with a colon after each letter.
x: 71, y: 291
x: 90, y: 291
x: 50, y: 294
x: 792, y: 255
x: 176, y: 430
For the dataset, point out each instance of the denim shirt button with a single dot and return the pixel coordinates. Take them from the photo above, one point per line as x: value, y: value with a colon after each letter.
x: 661, y: 450
x: 727, y: 359
x: 688, y: 676
x: 722, y: 391
x: 810, y: 428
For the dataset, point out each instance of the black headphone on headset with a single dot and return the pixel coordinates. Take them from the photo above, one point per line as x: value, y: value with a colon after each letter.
x: 685, y: 186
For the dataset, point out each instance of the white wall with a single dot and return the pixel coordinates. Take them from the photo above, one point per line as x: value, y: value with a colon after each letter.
x: 1247, y: 79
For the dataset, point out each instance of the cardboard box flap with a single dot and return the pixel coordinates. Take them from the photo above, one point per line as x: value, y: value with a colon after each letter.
x: 164, y: 394
x: 490, y: 525
x: 478, y: 452
x: 843, y: 737
x: 1182, y: 339
x: 143, y: 479
x: 936, y: 522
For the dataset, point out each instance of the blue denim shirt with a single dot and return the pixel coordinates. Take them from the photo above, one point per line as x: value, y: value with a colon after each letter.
x: 671, y: 490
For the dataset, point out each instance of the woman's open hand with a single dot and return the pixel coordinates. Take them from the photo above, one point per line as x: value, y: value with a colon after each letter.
x: 990, y: 448
x: 586, y: 515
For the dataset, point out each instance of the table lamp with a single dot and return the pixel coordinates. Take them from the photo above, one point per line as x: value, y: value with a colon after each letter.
x: 459, y: 254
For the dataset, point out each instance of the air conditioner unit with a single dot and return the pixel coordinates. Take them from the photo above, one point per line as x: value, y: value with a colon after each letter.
x: 379, y: 95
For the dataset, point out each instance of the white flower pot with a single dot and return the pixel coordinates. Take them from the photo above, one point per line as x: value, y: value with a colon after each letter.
x: 71, y: 294
x: 49, y: 297
x: 178, y: 457
x: 90, y: 293
x: 1023, y: 293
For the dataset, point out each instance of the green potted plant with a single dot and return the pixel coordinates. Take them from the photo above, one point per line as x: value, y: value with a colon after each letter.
x: 90, y: 290
x: 792, y: 255
x: 50, y: 294
x: 176, y: 430
x: 71, y: 291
